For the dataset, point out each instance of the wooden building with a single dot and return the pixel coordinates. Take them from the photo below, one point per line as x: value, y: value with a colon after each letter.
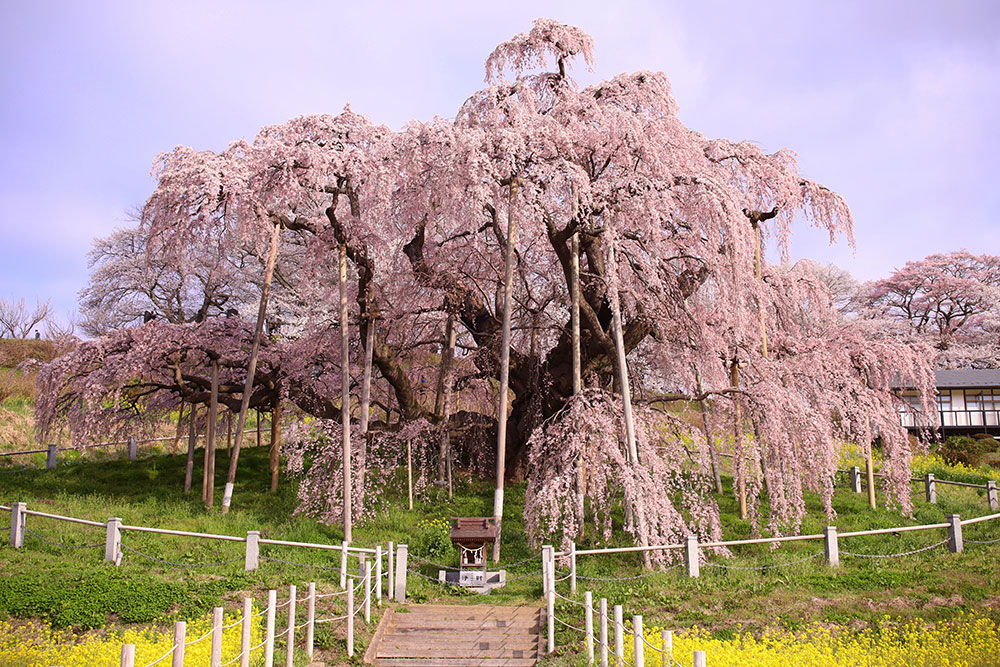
x: 967, y: 402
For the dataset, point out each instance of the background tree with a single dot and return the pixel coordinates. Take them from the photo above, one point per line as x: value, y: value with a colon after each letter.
x: 17, y: 320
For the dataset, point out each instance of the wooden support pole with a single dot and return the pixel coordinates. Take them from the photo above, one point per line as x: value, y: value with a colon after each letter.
x: 588, y: 624
x: 391, y: 575
x: 192, y: 440
x: 409, y: 474
x: 550, y: 621
x: 345, y: 393
x: 602, y: 610
x: 350, y: 617
x: 290, y: 635
x: 619, y: 636
x: 215, y: 659
x: 128, y: 655
x: 246, y: 633
x: 311, y: 620
x: 343, y: 565
x: 272, y: 601
x: 378, y: 574
x: 275, y: 448
x: 208, y: 490
x: 180, y: 639
x: 870, y: 475
x: 638, y: 643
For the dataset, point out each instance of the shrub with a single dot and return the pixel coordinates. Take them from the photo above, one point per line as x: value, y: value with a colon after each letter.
x: 966, y: 450
x: 434, y: 539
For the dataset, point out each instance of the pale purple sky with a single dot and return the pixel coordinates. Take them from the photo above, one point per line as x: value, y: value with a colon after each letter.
x: 895, y: 105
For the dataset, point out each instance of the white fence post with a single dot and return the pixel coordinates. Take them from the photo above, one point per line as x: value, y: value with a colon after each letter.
x: 367, y: 568
x: 216, y: 657
x: 18, y: 520
x: 666, y: 648
x: 133, y: 448
x: 252, y: 560
x: 246, y: 634
x: 831, y: 546
x: 290, y: 635
x: 602, y: 609
x: 588, y: 624
x: 955, y: 542
x: 272, y: 601
x: 350, y: 617
x: 50, y: 463
x: 638, y: 643
x: 392, y: 573
x: 343, y: 564
x: 545, y: 570
x: 572, y: 568
x: 113, y: 541
x: 550, y: 621
x: 930, y: 488
x: 691, y: 551
x: 401, y: 573
x: 619, y: 636
x: 378, y: 574
x: 699, y: 659
x: 855, y: 477
x: 310, y: 620
x: 180, y: 637
x: 993, y: 495
x: 128, y: 655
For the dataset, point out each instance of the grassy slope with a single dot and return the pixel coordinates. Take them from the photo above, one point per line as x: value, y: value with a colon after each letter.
x: 74, y: 588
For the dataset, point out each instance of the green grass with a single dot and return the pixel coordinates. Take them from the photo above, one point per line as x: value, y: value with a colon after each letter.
x: 75, y: 588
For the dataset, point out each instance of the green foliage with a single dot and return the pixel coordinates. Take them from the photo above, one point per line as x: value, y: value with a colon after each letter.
x: 966, y: 450
x: 433, y: 539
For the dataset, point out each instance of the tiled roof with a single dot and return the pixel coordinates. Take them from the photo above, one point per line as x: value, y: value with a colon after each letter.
x: 967, y: 377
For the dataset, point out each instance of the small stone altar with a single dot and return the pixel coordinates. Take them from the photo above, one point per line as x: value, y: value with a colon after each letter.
x: 471, y: 535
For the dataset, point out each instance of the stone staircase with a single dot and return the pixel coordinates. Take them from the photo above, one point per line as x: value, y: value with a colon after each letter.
x: 433, y: 635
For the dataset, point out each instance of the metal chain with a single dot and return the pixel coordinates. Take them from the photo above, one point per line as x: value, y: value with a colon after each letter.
x: 4, y: 472
x: 638, y: 576
x: 430, y: 562
x: 421, y: 574
x: 764, y: 567
x: 522, y: 562
x: 60, y: 544
x: 905, y: 553
x: 167, y: 562
x: 522, y: 576
x: 982, y: 541
x: 289, y: 562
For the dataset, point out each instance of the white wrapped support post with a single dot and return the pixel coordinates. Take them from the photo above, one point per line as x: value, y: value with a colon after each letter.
x: 602, y: 610
x: 378, y: 575
x: 350, y: 618
x: 993, y: 495
x: 550, y: 621
x: 638, y: 642
x: 272, y: 602
x: 831, y: 546
x: 128, y: 655
x: 311, y: 620
x: 343, y: 565
x: 50, y: 463
x: 588, y: 624
x: 930, y: 488
x: 400, y: 573
x: 245, y: 635
x: 252, y: 559
x: 691, y: 553
x: 666, y: 648
x: 367, y: 574
x: 290, y: 634
x: 215, y: 659
x: 955, y: 542
x: 113, y: 541
x: 133, y: 448
x: 619, y: 636
x: 392, y: 574
x: 699, y: 659
x: 572, y: 568
x: 18, y: 520
x: 180, y: 639
x: 855, y: 478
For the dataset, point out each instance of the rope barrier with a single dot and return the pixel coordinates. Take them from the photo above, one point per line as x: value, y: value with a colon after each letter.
x: 320, y: 596
x: 905, y: 553
x: 238, y: 656
x: 982, y: 541
x: 571, y: 627
x: 638, y: 576
x: 561, y: 597
x: 167, y: 562
x: 330, y: 620
x: 195, y: 641
x: 290, y: 562
x: 150, y: 664
x: 60, y: 544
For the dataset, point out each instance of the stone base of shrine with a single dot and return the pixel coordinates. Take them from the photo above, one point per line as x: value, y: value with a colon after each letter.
x: 474, y: 580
